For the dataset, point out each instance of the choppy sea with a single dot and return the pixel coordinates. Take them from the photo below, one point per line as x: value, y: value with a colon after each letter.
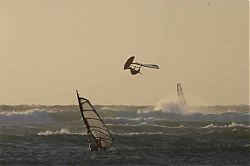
x: 144, y: 135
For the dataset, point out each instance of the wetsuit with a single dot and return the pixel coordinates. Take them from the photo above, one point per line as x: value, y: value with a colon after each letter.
x: 133, y: 71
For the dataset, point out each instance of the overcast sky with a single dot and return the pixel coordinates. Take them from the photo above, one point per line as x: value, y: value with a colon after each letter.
x: 50, y: 48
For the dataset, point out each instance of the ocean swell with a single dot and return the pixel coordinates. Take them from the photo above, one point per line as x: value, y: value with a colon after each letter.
x: 28, y: 116
x: 131, y: 115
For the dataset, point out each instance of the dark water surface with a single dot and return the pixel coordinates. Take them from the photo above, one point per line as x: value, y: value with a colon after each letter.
x: 140, y: 149
x: 56, y: 136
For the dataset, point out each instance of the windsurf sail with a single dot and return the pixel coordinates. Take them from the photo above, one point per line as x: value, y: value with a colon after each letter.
x: 97, y: 130
x: 135, y: 66
x: 180, y: 94
x: 129, y: 62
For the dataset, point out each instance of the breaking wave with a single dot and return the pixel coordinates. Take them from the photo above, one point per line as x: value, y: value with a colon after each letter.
x: 140, y: 133
x: 232, y: 125
x: 147, y: 125
x: 174, y: 107
x: 64, y: 131
x: 34, y: 116
x: 131, y: 115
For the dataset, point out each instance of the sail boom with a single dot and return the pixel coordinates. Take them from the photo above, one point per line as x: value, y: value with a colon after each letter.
x: 153, y: 66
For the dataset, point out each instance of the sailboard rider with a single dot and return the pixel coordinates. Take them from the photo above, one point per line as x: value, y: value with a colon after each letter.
x: 135, y: 67
x: 134, y: 71
x: 99, y: 136
x: 94, y: 146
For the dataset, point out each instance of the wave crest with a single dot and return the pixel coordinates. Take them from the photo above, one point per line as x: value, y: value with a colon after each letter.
x: 63, y: 131
x: 35, y: 116
x: 233, y: 124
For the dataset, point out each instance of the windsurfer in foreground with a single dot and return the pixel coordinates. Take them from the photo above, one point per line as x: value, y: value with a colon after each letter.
x: 99, y: 136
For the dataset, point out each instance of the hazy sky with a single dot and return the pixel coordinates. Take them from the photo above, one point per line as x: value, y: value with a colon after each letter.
x: 49, y: 48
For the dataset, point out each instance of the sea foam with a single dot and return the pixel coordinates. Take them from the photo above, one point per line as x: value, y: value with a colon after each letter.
x: 63, y: 131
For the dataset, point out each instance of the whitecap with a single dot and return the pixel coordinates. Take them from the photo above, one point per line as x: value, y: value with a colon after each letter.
x: 63, y: 131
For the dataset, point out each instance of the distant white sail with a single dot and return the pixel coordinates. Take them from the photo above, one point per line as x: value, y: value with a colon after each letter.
x: 95, y: 125
x: 180, y: 94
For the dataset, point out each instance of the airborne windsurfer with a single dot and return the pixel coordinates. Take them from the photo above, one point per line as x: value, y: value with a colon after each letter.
x: 135, y: 67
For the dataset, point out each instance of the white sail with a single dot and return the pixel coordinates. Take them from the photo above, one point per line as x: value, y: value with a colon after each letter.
x: 180, y: 94
x: 94, y: 123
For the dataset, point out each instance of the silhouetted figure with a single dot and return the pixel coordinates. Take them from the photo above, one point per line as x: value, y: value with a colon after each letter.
x: 94, y: 146
x: 134, y: 71
x: 135, y: 67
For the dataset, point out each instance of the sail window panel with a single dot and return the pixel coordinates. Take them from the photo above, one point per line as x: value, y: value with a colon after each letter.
x: 106, y: 144
x: 106, y: 140
x: 90, y: 114
x: 101, y: 134
x: 86, y: 105
x: 96, y: 123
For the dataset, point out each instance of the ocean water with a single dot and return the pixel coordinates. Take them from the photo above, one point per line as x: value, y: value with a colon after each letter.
x: 144, y: 135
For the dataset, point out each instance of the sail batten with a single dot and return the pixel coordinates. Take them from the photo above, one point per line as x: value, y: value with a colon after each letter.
x: 93, y: 119
x: 94, y: 124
